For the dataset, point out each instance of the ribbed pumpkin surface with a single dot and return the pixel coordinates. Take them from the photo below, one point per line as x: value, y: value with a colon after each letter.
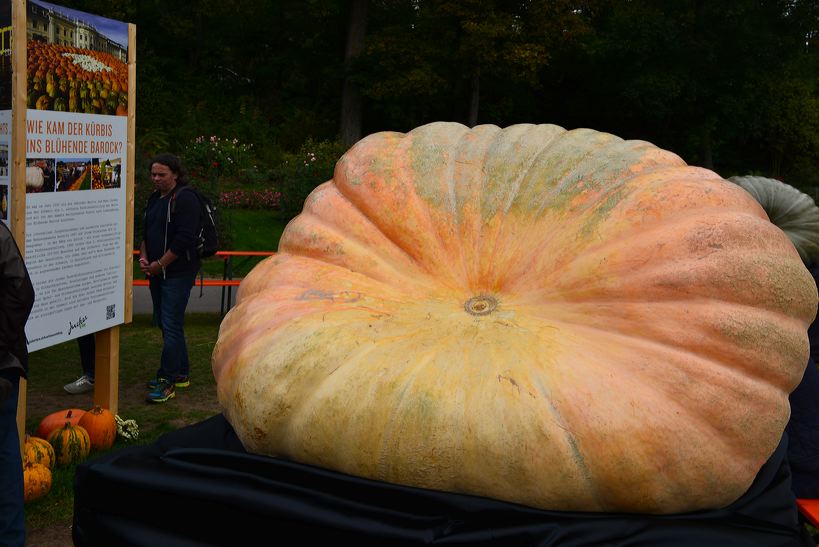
x: 37, y: 450
x: 101, y: 427
x: 36, y: 481
x: 71, y: 444
x: 561, y: 319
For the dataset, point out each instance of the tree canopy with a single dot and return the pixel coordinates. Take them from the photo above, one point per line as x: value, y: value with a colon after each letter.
x: 730, y: 86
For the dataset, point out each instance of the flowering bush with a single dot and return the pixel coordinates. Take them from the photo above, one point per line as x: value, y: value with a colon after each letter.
x: 251, y: 199
x: 214, y: 155
x: 301, y: 172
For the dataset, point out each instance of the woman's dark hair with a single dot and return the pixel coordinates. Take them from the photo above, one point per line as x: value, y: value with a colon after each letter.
x: 173, y: 163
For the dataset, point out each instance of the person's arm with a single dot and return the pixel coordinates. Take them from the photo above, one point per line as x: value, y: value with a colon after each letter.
x: 158, y: 266
x: 16, y: 298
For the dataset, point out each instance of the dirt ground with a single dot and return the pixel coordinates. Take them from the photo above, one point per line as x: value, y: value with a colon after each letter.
x: 54, y: 536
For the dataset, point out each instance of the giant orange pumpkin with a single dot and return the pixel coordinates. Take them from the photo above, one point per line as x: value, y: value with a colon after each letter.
x: 561, y: 319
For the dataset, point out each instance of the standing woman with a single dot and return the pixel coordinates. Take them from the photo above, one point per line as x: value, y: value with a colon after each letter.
x: 169, y: 259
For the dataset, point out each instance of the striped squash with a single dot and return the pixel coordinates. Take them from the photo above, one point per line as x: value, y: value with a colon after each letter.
x: 71, y: 444
x: 37, y: 450
x: 36, y: 481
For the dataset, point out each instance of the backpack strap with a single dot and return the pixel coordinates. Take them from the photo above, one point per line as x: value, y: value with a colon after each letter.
x: 171, y: 208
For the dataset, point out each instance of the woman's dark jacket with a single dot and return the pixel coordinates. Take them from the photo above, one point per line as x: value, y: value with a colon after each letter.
x: 173, y: 223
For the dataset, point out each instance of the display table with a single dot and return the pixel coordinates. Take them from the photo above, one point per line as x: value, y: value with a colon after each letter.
x: 197, y: 486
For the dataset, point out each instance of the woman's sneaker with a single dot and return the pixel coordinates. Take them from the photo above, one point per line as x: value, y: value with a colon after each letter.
x: 179, y: 381
x: 163, y: 391
x: 83, y: 384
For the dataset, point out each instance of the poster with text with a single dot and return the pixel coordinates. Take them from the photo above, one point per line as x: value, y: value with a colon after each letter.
x: 76, y: 136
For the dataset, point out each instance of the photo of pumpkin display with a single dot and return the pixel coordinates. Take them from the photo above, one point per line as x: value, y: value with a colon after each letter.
x: 71, y: 79
x: 561, y: 319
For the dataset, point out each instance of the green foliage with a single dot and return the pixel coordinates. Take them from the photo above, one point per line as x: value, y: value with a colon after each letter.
x: 153, y: 140
x: 726, y: 85
x: 689, y: 77
x: 408, y: 73
x: 269, y: 200
x: 259, y: 230
x: 300, y: 173
x: 206, y: 157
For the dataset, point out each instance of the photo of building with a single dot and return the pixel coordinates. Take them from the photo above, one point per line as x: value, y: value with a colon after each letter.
x: 72, y: 64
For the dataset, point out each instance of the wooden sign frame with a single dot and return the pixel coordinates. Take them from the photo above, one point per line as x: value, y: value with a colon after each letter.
x: 106, y: 386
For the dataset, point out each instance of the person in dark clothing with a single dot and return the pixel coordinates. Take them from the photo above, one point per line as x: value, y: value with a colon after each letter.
x: 168, y: 257
x: 16, y: 301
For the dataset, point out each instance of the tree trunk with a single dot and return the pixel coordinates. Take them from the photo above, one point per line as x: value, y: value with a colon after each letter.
x: 351, y: 95
x: 474, y: 102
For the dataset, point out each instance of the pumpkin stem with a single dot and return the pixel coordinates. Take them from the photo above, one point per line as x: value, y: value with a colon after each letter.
x: 483, y: 304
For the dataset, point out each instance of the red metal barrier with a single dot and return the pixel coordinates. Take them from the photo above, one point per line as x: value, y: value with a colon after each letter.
x: 809, y: 508
x: 227, y: 282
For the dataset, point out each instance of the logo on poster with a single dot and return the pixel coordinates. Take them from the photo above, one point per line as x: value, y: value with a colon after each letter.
x: 80, y: 324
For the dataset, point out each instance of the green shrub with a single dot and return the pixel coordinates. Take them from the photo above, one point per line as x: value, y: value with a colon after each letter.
x: 205, y: 157
x: 300, y: 173
x: 269, y: 200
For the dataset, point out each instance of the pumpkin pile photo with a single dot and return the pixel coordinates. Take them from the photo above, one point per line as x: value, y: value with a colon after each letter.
x: 556, y: 318
x: 71, y: 79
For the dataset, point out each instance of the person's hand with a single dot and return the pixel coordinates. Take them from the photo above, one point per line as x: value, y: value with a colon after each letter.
x: 144, y: 265
x: 154, y: 268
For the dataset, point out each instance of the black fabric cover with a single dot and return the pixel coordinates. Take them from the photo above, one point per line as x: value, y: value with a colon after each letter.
x: 198, y: 486
x: 803, y: 427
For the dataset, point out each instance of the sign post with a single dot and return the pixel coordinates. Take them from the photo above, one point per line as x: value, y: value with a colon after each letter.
x: 69, y: 143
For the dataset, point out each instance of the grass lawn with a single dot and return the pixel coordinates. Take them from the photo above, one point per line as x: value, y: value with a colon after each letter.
x: 140, y: 347
x: 250, y: 230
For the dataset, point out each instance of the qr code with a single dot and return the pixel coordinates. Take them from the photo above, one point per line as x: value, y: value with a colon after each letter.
x: 110, y: 311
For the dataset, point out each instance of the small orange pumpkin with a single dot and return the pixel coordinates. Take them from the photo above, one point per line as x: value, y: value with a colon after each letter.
x: 36, y: 481
x: 71, y: 444
x: 37, y: 450
x: 57, y: 419
x: 101, y: 427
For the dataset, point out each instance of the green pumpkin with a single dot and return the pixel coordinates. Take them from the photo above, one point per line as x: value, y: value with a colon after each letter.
x: 793, y: 211
x: 71, y: 444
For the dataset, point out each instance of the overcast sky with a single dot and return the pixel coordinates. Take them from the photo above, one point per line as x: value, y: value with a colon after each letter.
x: 115, y: 30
